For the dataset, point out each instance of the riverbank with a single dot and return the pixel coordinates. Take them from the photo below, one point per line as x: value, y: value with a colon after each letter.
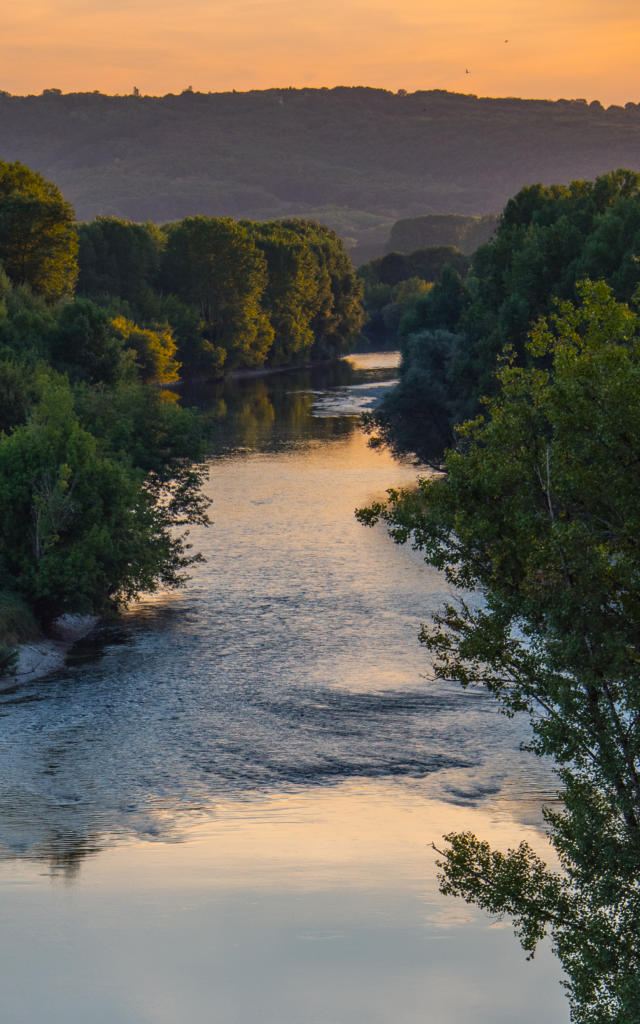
x: 39, y: 657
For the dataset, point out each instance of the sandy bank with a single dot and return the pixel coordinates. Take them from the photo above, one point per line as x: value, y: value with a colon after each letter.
x: 48, y: 654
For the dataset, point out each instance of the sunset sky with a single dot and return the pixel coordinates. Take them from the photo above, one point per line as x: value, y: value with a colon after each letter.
x: 579, y: 48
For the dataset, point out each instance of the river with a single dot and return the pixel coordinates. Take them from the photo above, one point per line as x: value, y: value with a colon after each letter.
x: 221, y: 810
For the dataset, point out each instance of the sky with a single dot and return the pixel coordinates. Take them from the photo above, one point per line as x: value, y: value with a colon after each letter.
x: 530, y: 48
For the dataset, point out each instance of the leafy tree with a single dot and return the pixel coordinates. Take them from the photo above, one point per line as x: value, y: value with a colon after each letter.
x: 17, y: 394
x: 154, y: 350
x: 539, y: 509
x: 214, y: 264
x: 409, y: 423
x: 339, y: 316
x: 83, y: 528
x: 290, y: 299
x: 26, y: 323
x: 117, y: 257
x: 38, y: 242
x: 85, y: 344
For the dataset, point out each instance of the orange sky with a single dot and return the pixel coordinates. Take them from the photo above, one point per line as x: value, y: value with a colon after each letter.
x: 580, y: 48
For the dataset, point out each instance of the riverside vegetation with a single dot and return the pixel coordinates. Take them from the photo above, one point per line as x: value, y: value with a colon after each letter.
x: 537, y: 509
x: 100, y: 467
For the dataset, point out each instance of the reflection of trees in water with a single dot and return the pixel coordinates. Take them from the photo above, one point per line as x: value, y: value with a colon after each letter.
x: 276, y: 409
x: 65, y: 854
x: 34, y: 829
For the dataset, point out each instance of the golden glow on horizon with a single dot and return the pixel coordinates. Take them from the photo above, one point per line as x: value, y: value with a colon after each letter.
x: 578, y: 49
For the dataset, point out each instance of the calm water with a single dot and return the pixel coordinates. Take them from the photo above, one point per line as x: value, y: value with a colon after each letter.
x: 222, y: 809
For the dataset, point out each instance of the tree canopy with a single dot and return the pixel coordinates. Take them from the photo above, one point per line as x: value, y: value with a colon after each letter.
x: 548, y: 238
x: 232, y: 294
x: 38, y: 241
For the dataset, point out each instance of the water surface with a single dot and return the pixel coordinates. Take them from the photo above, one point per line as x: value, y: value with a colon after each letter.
x: 221, y: 810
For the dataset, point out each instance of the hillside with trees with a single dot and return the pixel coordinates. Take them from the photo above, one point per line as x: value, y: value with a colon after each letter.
x: 357, y: 159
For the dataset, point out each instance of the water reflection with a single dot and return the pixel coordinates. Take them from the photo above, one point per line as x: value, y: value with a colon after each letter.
x: 292, y: 407
x: 290, y: 662
x: 298, y: 909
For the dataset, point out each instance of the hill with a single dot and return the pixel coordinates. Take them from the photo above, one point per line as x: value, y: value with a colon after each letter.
x: 357, y: 159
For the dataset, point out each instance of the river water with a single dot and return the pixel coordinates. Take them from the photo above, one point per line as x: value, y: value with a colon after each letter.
x: 221, y: 810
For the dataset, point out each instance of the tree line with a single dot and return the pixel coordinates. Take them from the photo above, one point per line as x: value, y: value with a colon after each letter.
x: 233, y: 294
x: 453, y: 336
x: 100, y: 467
x: 537, y: 509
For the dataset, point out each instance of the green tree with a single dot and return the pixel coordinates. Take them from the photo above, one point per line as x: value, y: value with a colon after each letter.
x: 214, y: 264
x: 338, y: 315
x: 117, y: 257
x: 38, y: 241
x: 154, y: 350
x: 85, y: 344
x: 17, y: 394
x: 83, y: 526
x: 539, y: 509
x: 290, y: 298
x: 548, y: 238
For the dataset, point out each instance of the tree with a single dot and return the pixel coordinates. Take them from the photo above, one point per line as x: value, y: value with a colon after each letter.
x: 213, y: 263
x: 88, y: 522
x: 540, y: 510
x: 338, y: 315
x: 117, y: 257
x: 154, y: 350
x: 548, y: 238
x: 38, y: 241
x: 85, y: 344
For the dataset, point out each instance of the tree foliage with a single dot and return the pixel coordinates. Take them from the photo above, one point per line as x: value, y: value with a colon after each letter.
x: 99, y: 473
x: 539, y: 510
x: 38, y: 242
x: 214, y: 264
x: 85, y: 523
x: 548, y: 238
x: 231, y: 294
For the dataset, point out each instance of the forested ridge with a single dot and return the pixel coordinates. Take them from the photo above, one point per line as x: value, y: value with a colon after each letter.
x: 356, y: 159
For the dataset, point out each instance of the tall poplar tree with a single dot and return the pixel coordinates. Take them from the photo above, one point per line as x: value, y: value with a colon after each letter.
x: 38, y: 240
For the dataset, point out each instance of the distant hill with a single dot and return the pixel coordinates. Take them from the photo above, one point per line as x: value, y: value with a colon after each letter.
x: 467, y: 233
x: 357, y: 159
